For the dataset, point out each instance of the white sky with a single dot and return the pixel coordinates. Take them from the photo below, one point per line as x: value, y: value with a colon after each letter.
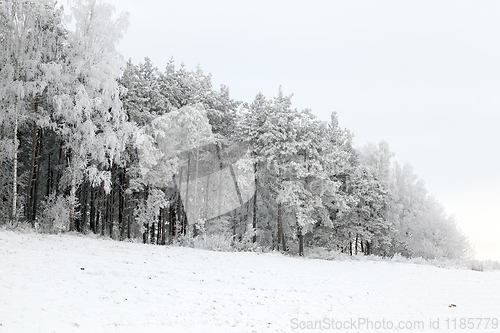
x: 422, y: 75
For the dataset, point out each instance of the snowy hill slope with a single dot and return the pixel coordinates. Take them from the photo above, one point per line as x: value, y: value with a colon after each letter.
x: 71, y: 283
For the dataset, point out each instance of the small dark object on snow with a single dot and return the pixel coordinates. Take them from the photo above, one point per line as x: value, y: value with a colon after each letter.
x: 82, y: 268
x: 452, y: 306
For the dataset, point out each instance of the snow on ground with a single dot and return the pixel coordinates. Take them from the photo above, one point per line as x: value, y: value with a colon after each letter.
x: 71, y: 283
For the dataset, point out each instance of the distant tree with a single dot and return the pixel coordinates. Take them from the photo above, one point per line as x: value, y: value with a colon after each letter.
x: 421, y: 225
x: 424, y: 229
x: 378, y: 158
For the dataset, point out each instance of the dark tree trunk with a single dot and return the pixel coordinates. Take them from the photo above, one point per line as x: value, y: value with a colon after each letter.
x: 37, y: 175
x: 129, y: 219
x: 111, y: 204
x: 186, y: 204
x: 29, y: 190
x: 166, y: 218
x: 49, y: 176
x: 98, y: 210
x: 129, y: 207
x: 254, y: 211
x: 104, y: 215
x: 60, y: 166
x: 146, y: 233
x: 301, y: 243
x: 76, y: 220
x: 84, y: 200
x: 121, y: 204
x: 283, y: 239
x: 280, y: 230
x: 234, y: 227
x: 160, y: 227
x: 152, y: 237
x: 172, y: 223
x: 236, y: 186
x: 178, y: 220
x: 93, y: 210
x: 281, y: 234
x: 356, y: 245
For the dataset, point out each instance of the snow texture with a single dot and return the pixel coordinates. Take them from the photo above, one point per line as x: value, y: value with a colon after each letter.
x: 73, y: 283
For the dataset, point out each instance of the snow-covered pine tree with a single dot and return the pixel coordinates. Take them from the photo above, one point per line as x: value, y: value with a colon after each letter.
x: 144, y: 100
x: 250, y: 124
x: 168, y: 146
x: 306, y: 180
x: 276, y: 146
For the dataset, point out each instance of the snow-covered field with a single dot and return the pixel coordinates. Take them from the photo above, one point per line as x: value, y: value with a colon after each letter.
x: 72, y: 283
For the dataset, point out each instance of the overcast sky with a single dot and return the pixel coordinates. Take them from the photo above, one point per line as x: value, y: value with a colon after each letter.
x: 422, y: 75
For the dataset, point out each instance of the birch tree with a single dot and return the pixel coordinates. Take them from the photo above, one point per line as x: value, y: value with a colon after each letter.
x: 91, y: 117
x: 25, y: 41
x: 423, y: 227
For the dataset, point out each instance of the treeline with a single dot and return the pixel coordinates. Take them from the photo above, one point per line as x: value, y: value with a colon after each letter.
x: 90, y: 143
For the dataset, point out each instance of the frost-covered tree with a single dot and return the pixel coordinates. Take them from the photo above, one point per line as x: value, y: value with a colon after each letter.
x: 270, y: 127
x: 356, y: 202
x: 378, y: 158
x: 250, y: 124
x: 364, y: 223
x: 308, y: 181
x: 422, y: 228
x: 89, y: 113
x: 152, y: 95
x: 293, y: 160
x: 221, y: 112
x: 167, y: 147
x: 70, y: 106
x: 144, y: 99
x: 161, y: 142
x: 182, y: 87
x: 24, y: 34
